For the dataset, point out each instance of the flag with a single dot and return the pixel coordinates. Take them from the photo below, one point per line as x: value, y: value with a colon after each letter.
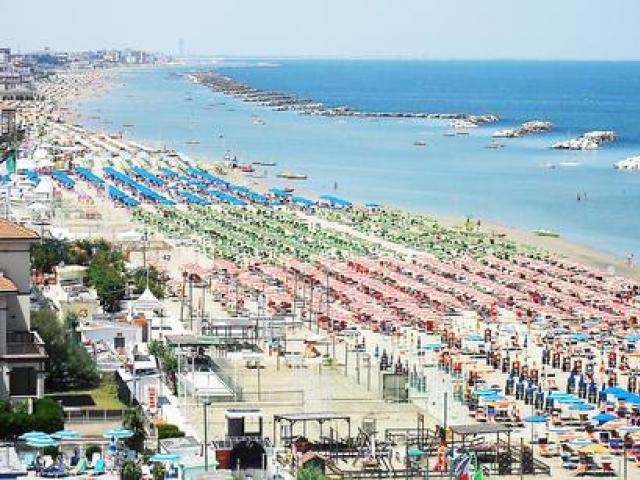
x: 461, y: 466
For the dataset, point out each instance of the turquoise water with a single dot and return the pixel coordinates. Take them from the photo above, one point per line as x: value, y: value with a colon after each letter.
x: 376, y: 161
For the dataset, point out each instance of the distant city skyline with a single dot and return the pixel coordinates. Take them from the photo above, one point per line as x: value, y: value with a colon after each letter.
x: 429, y: 29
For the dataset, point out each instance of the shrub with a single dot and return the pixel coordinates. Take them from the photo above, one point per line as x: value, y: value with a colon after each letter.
x: 169, y: 431
x: 130, y: 471
x: 47, y: 417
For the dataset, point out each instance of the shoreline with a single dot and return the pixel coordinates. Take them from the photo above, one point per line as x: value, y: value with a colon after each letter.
x: 586, y: 254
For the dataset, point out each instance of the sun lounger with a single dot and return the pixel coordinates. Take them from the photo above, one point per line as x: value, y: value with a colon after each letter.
x: 29, y: 462
x: 100, y: 467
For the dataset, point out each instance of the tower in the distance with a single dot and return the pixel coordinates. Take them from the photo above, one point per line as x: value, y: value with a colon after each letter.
x: 181, y: 47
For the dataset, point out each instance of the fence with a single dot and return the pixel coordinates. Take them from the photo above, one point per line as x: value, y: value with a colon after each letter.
x: 89, y: 415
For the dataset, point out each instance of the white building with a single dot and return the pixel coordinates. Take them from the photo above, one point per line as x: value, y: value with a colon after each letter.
x: 22, y: 354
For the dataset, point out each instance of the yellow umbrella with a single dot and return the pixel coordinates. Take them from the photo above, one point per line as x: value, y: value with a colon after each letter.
x: 594, y: 449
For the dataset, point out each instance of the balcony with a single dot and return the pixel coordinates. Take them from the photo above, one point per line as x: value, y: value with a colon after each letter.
x: 24, y: 345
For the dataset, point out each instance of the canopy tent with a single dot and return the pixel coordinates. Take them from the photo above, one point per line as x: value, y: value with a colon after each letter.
x: 303, y: 202
x: 119, y: 195
x: 63, y: 178
x: 193, y: 198
x: 147, y: 301
x: 142, y: 189
x: 336, y: 202
x: 89, y: 176
x: 147, y: 175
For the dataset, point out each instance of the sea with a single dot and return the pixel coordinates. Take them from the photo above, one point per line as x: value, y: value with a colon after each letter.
x: 525, y: 185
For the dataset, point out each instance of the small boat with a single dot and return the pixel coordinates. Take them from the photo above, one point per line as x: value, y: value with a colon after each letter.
x: 258, y: 121
x: 462, y: 133
x: 291, y: 176
x: 188, y: 99
x: 495, y: 145
x: 546, y: 233
x: 192, y: 142
x: 246, y: 168
x: 289, y: 189
x: 128, y: 125
x: 268, y: 164
x: 569, y: 164
x: 449, y: 134
x: 420, y: 143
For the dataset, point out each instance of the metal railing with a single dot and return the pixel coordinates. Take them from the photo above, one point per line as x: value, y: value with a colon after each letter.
x: 90, y: 415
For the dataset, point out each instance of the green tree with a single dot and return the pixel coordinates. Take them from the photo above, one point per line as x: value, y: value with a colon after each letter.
x: 69, y: 365
x: 139, y: 279
x: 107, y: 275
x: 47, y: 254
x: 134, y: 420
x: 310, y: 474
x: 130, y: 471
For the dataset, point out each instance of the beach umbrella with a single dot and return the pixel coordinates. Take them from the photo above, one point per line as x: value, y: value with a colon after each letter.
x: 633, y: 337
x: 603, y: 418
x: 42, y: 442
x: 594, y: 449
x: 558, y: 395
x: 118, y: 433
x: 581, y: 407
x: 570, y: 399
x: 533, y: 419
x: 629, y: 429
x: 536, y: 419
x: 165, y: 457
x: 33, y: 435
x: 579, y: 337
x: 66, y: 435
x: 580, y: 442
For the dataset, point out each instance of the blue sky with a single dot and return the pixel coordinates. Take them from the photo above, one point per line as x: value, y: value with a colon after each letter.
x: 439, y: 29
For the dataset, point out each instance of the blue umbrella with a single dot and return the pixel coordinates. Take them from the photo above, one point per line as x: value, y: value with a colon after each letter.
x: 172, y: 457
x: 118, y: 433
x: 632, y: 337
x: 570, y: 399
x: 493, y: 398
x: 474, y: 337
x: 484, y: 392
x: 582, y: 407
x: 581, y: 442
x: 33, y: 434
x: 558, y: 395
x: 579, y: 337
x: 536, y: 419
x: 66, y: 435
x: 603, y: 417
x: 42, y: 442
x: 629, y: 428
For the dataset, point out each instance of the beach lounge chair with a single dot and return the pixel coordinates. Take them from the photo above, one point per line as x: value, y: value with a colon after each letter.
x: 100, y: 467
x: 29, y: 462
x: 81, y: 467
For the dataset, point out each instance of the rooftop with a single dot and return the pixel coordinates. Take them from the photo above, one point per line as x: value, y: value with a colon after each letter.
x: 10, y: 230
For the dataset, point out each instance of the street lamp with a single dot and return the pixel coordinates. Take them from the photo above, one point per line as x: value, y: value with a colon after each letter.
x: 205, y: 404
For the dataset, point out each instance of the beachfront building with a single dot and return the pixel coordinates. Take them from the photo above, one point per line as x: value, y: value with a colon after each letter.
x: 16, y: 77
x: 22, y: 354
